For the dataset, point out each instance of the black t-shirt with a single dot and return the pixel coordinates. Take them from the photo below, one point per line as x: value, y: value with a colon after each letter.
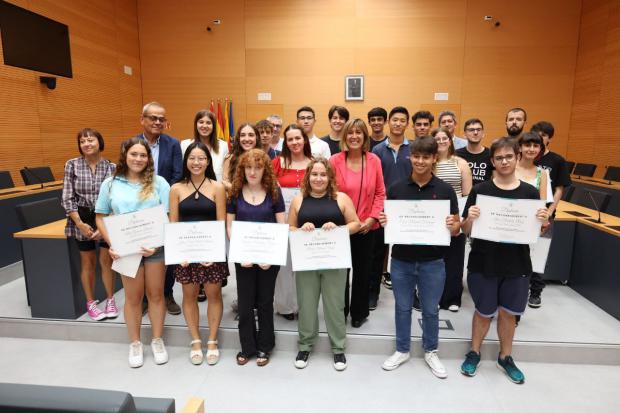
x: 334, y: 146
x: 558, y: 171
x: 406, y: 189
x: 374, y: 143
x: 497, y: 259
x: 479, y: 163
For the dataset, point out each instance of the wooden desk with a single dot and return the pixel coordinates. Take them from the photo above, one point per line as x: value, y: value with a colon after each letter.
x: 52, y: 272
x: 601, y: 183
x: 587, y: 252
x: 9, y: 222
x: 19, y: 191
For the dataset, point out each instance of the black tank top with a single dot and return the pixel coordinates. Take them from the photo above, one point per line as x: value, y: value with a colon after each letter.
x: 319, y: 211
x: 201, y: 209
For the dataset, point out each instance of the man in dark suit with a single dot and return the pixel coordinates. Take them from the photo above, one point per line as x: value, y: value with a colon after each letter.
x: 168, y: 162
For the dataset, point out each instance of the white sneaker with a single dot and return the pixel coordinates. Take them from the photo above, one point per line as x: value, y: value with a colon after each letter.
x: 136, y: 355
x: 454, y: 308
x: 159, y: 351
x: 395, y: 360
x: 437, y: 367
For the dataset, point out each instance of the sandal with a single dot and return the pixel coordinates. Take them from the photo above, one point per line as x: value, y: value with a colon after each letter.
x: 242, y: 359
x: 262, y: 359
x: 195, y: 356
x: 213, y: 355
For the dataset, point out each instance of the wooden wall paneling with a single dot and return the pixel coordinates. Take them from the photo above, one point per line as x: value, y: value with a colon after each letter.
x: 256, y: 112
x: 41, y: 123
x: 184, y: 66
x: 528, y: 61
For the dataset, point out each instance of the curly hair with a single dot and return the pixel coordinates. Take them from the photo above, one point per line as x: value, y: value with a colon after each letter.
x: 237, y: 150
x: 257, y: 158
x: 147, y: 175
x: 332, y: 187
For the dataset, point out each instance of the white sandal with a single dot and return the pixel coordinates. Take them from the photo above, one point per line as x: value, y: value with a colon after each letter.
x: 195, y: 356
x: 213, y: 355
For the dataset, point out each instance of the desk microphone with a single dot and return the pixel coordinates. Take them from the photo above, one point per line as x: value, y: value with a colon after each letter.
x: 34, y: 175
x: 597, y: 209
x: 609, y: 180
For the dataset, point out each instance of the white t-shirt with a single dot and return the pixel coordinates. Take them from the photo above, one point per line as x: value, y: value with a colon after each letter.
x: 218, y: 158
x: 319, y: 147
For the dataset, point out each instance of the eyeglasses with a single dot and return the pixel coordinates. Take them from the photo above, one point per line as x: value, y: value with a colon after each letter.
x: 442, y: 139
x: 507, y: 158
x: 478, y: 130
x: 302, y: 118
x: 200, y: 159
x: 155, y: 119
x: 276, y: 126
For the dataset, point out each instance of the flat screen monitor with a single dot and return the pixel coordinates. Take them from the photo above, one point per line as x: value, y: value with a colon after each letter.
x: 34, y: 42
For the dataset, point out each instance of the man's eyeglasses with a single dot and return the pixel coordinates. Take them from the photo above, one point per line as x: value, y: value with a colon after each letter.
x: 507, y: 158
x: 154, y: 118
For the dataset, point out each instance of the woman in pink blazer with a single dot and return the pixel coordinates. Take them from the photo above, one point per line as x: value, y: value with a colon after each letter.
x: 359, y: 175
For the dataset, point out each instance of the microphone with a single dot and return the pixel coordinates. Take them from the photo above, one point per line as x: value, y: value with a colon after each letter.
x: 597, y: 209
x: 606, y: 170
x: 34, y: 175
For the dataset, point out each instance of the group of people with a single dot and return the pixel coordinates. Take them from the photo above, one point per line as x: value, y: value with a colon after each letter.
x: 342, y: 179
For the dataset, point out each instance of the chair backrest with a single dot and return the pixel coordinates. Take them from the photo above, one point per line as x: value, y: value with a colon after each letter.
x: 570, y: 165
x: 33, y: 214
x: 584, y: 169
x: 5, y: 180
x: 612, y: 173
x: 613, y: 207
x: 581, y: 197
x: 36, y: 175
x: 568, y: 193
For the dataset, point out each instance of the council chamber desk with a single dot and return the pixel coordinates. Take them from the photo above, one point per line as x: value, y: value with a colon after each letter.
x: 586, y: 253
x: 52, y: 273
x: 9, y: 222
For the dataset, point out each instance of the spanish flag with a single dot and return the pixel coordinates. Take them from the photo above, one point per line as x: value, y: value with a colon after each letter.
x: 226, y: 122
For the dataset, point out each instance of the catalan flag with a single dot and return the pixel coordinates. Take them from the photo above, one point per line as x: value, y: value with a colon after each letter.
x: 226, y: 122
x: 220, y: 121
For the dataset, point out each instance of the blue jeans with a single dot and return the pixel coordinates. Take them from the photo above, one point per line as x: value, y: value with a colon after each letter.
x: 430, y: 277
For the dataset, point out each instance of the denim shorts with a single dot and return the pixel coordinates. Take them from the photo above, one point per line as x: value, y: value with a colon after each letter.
x: 491, y: 293
x: 157, y: 257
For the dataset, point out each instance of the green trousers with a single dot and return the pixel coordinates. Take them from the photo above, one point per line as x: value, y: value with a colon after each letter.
x: 329, y: 284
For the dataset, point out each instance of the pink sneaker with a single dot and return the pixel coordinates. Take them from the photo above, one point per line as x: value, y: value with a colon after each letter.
x: 111, y: 311
x: 94, y: 312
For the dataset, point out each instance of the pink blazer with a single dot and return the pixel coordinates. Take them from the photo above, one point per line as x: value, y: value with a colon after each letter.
x: 372, y: 190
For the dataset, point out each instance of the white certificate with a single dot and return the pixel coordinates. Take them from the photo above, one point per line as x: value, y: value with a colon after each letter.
x: 539, y: 253
x: 127, y: 265
x: 507, y: 220
x: 258, y: 243
x: 130, y: 232
x: 417, y: 222
x: 287, y: 195
x: 196, y: 241
x: 320, y: 249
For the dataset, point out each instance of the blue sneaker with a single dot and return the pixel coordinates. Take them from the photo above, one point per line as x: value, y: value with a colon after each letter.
x: 507, y: 365
x: 470, y: 365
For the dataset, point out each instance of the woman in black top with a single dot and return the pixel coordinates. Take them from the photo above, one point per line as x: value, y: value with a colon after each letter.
x: 320, y: 205
x: 199, y: 197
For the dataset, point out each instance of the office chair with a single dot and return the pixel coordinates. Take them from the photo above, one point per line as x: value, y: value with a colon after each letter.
x: 36, y: 175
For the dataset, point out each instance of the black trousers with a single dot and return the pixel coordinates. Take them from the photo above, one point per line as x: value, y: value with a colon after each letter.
x: 378, y: 253
x: 255, y: 288
x: 455, y: 263
x: 361, y: 258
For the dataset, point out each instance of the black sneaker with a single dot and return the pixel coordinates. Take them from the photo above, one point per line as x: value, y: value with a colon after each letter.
x: 340, y: 361
x: 372, y: 303
x: 301, y: 361
x: 534, y: 301
x: 386, y: 279
x: 202, y: 297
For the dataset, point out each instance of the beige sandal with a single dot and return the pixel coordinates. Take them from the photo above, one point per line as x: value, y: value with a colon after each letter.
x: 213, y: 355
x: 195, y: 356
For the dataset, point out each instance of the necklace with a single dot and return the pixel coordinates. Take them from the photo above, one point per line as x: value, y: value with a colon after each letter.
x: 252, y: 194
x: 197, y: 193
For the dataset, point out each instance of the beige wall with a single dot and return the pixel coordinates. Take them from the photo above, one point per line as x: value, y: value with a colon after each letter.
x: 593, y: 135
x: 300, y: 51
x: 39, y: 126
